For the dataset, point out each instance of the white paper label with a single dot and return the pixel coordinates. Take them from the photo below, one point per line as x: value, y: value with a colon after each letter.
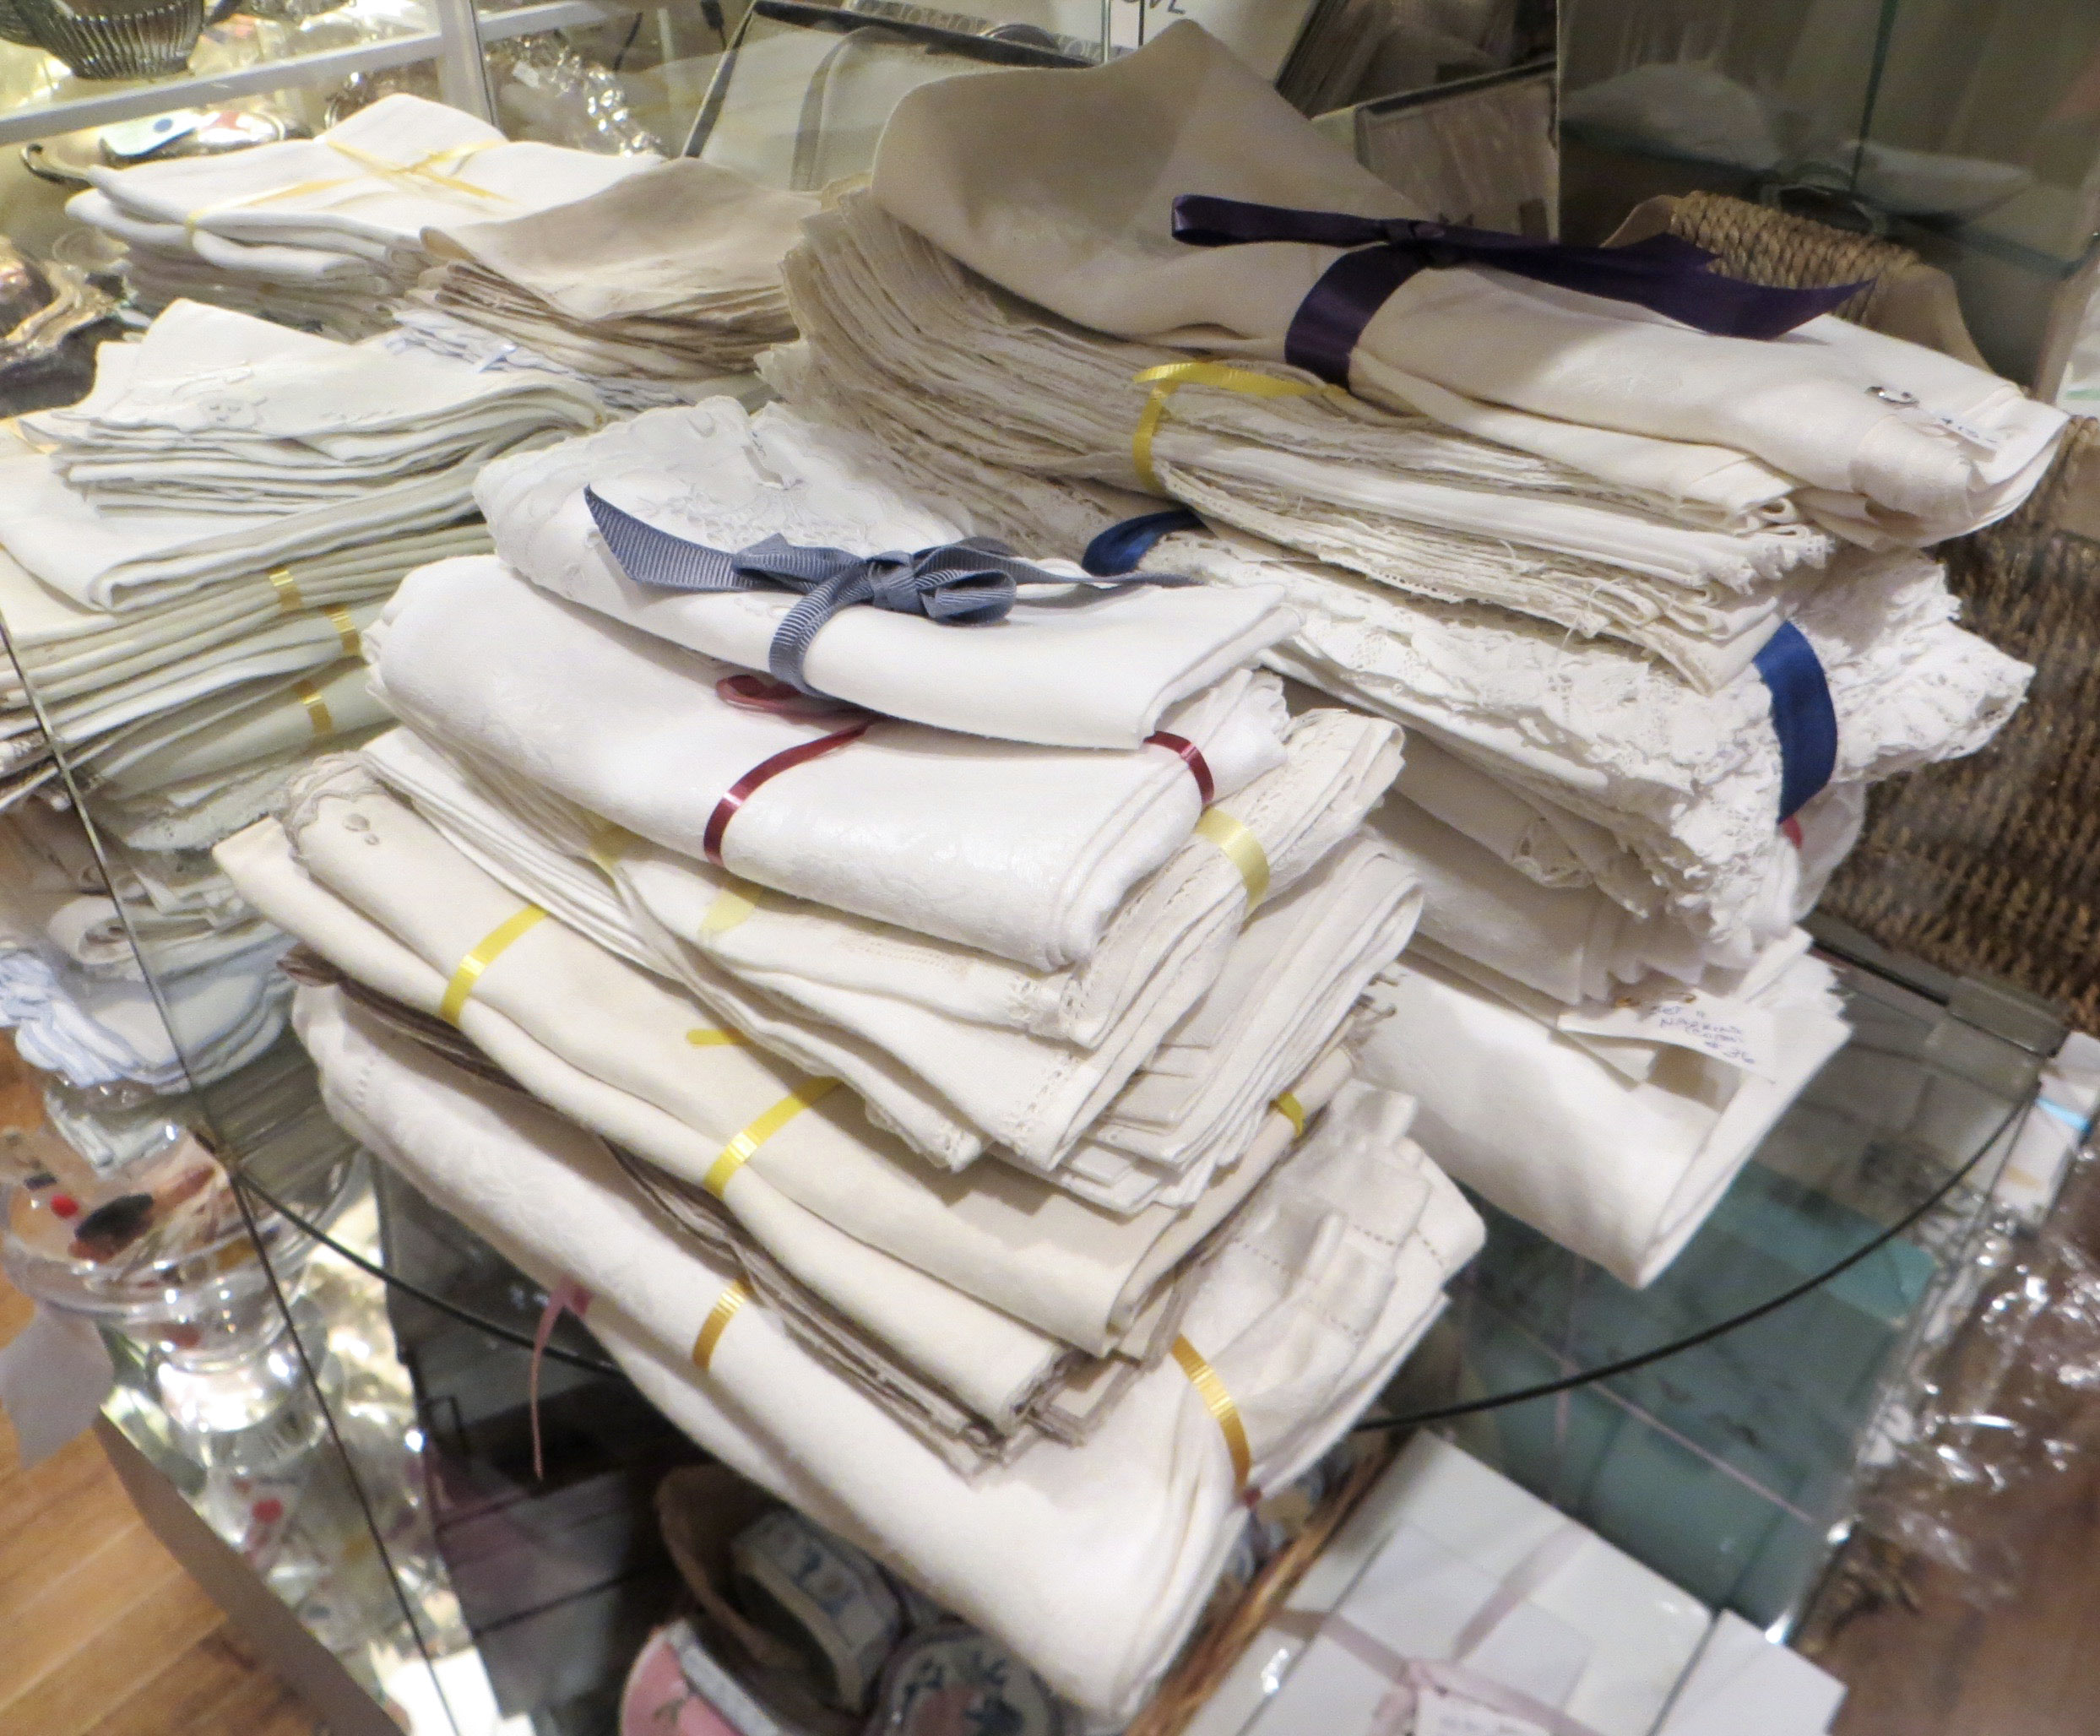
x: 1440, y: 1714
x: 1742, y: 1036
x: 1989, y: 439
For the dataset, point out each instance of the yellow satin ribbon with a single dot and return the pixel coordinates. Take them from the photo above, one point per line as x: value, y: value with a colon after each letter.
x: 726, y: 1308
x: 1287, y: 1105
x: 1219, y: 1403
x: 738, y: 1151
x: 607, y: 843
x: 1165, y: 381
x: 345, y: 630
x: 317, y: 712
x: 734, y: 904
x: 482, y: 957
x: 1241, y: 847
x: 288, y: 597
x: 415, y: 176
x: 707, y: 1037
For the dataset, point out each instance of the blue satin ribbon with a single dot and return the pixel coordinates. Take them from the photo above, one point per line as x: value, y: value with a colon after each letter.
x: 969, y: 583
x: 1663, y: 272
x: 1119, y: 549
x: 1802, y: 717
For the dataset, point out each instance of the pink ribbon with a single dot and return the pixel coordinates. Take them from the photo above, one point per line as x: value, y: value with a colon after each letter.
x: 573, y: 1297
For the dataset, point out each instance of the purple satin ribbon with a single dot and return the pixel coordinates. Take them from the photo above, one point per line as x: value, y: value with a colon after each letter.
x: 1664, y: 273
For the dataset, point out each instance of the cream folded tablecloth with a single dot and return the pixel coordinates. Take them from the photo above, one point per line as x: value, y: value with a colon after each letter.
x: 1091, y: 1562
x: 1025, y: 852
x: 1622, y: 1171
x: 1061, y: 187
x: 1081, y: 666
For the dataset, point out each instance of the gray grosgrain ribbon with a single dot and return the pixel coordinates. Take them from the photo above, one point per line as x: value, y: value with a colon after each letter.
x: 967, y: 584
x: 1664, y: 272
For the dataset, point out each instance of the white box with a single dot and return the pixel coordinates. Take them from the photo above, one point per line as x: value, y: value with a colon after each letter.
x: 1589, y: 1631
x: 1742, y: 1685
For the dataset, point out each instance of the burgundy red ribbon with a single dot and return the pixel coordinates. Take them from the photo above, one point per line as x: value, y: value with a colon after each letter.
x: 765, y: 772
x: 1192, y: 757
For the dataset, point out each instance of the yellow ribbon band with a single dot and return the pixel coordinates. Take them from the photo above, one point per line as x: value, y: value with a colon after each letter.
x: 725, y: 1310
x: 1165, y: 381
x: 738, y: 1151
x: 705, y: 1036
x: 345, y: 630
x: 288, y: 597
x: 1287, y: 1106
x: 732, y: 904
x: 1241, y: 847
x: 1218, y: 1403
x: 482, y: 957
x: 414, y: 176
x: 317, y: 712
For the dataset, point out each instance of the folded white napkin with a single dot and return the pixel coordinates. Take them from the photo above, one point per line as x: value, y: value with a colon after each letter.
x: 632, y: 728
x: 1622, y: 1170
x: 1077, y: 667
x: 1091, y: 1562
x: 1061, y: 186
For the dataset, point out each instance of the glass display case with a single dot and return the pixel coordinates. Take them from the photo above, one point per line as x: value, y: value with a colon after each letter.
x: 424, y: 1455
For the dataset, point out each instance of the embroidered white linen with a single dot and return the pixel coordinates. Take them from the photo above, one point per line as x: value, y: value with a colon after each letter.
x: 1622, y: 1170
x: 238, y: 416
x: 1061, y: 187
x: 1080, y: 667
x: 631, y: 729
x: 1329, y: 1282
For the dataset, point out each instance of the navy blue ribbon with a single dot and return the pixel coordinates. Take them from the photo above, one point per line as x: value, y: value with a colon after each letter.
x: 1802, y: 717
x: 1663, y: 272
x: 969, y: 583
x: 1119, y: 549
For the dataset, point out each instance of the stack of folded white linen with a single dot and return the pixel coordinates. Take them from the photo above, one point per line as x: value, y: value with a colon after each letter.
x: 903, y: 334
x: 1615, y: 833
x: 215, y: 525
x: 1064, y: 189
x: 324, y: 233
x: 671, y: 275
x: 971, y: 996
x: 1091, y: 1559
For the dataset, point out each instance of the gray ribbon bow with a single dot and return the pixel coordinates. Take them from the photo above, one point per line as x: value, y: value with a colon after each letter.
x: 967, y: 584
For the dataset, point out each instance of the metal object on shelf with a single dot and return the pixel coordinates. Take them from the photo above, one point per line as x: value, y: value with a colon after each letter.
x: 116, y: 39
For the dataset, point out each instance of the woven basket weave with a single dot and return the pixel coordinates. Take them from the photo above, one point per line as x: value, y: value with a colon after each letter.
x: 1990, y: 865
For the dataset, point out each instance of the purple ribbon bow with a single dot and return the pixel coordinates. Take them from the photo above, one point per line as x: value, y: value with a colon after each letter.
x: 1664, y: 272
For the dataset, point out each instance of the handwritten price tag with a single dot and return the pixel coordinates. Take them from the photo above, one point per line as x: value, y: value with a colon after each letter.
x: 1742, y: 1036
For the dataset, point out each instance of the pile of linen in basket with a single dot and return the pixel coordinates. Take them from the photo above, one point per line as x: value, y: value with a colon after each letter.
x: 1649, y: 596
x: 959, y: 1004
x: 191, y: 554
